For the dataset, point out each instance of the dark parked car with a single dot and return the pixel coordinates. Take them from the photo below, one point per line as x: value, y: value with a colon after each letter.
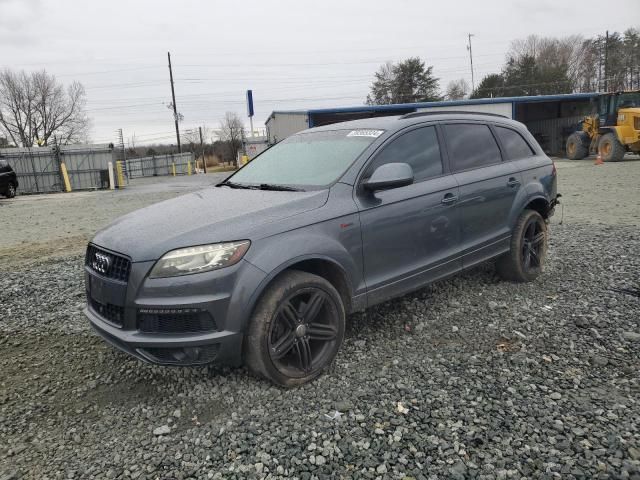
x: 264, y: 267
x: 8, y: 180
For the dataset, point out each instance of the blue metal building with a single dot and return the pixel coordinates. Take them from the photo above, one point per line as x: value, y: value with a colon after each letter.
x: 550, y: 118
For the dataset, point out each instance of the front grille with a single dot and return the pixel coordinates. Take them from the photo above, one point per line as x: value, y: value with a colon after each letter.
x: 175, y: 321
x: 112, y: 313
x: 119, y: 266
x: 182, y: 355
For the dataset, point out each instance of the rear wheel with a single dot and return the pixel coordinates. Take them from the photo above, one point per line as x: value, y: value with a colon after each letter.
x: 525, y: 259
x: 11, y: 190
x: 577, y: 146
x: 610, y: 149
x: 296, y: 329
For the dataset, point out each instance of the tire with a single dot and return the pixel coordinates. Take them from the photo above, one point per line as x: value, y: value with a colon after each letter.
x: 10, y: 192
x: 577, y: 148
x: 610, y: 148
x: 525, y: 260
x: 280, y: 343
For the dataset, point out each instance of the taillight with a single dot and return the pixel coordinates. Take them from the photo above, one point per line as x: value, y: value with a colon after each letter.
x: 553, y: 170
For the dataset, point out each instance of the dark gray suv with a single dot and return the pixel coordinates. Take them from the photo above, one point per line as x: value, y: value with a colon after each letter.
x: 264, y: 267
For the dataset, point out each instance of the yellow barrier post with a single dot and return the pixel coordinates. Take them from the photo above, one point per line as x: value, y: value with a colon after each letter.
x: 173, y: 169
x: 120, y: 174
x: 188, y: 167
x: 65, y: 177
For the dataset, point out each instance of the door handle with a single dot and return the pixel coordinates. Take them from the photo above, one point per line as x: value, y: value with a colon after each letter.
x: 513, y: 182
x: 449, y: 198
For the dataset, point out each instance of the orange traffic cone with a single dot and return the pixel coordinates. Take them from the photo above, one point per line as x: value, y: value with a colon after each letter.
x: 598, y: 160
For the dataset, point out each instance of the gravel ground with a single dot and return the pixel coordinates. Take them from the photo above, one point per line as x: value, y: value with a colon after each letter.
x: 56, y: 225
x: 470, y: 378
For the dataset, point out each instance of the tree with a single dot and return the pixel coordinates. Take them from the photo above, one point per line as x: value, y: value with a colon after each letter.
x: 406, y: 82
x: 232, y: 132
x: 491, y: 86
x: 382, y: 86
x: 457, y: 89
x: 35, y: 108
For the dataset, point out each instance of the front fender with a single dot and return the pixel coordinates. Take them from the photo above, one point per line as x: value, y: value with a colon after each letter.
x: 275, y: 254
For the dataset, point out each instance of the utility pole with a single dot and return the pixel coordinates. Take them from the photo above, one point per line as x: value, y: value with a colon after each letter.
x: 204, y: 160
x: 599, y: 44
x: 473, y: 86
x: 175, y: 109
x: 606, y: 56
x: 124, y: 153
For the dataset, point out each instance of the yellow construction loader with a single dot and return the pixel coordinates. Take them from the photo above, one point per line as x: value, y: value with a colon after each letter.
x: 612, y: 132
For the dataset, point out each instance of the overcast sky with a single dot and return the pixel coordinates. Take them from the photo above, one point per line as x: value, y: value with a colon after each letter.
x: 293, y: 54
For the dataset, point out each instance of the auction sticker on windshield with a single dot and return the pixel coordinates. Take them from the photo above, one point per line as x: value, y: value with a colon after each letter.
x: 365, y: 133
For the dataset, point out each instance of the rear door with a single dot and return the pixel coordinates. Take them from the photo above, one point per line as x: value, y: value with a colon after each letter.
x: 410, y: 234
x: 488, y: 189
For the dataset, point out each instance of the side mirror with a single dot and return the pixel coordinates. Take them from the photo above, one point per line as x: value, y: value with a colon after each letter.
x: 390, y: 175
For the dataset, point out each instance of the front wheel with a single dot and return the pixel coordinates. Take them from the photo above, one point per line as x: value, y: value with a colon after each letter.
x: 525, y: 259
x: 296, y: 329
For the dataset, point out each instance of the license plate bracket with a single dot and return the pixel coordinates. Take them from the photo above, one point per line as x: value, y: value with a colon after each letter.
x: 105, y: 291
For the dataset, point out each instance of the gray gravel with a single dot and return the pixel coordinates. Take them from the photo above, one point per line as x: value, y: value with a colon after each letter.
x: 469, y: 378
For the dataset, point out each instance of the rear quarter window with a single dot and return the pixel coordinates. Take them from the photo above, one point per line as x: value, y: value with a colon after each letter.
x: 514, y: 145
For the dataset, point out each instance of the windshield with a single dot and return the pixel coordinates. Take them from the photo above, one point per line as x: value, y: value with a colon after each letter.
x: 628, y: 100
x: 307, y: 159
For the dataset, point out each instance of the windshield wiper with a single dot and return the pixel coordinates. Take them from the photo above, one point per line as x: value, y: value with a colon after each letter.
x: 237, y: 185
x: 282, y: 188
x: 262, y: 186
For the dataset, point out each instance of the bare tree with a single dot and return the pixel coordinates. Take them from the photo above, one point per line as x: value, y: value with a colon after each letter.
x: 232, y: 132
x: 190, y: 139
x: 457, y: 89
x: 35, y: 108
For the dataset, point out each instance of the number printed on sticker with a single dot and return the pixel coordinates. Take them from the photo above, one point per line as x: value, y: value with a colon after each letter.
x: 365, y: 133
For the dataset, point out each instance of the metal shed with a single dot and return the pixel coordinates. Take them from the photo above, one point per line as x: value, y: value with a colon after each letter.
x: 550, y: 118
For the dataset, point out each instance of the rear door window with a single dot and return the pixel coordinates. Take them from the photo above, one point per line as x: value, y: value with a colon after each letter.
x: 419, y: 148
x: 471, y: 145
x: 515, y: 146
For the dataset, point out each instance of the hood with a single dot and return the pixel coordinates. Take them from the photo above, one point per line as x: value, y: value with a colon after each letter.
x: 216, y: 214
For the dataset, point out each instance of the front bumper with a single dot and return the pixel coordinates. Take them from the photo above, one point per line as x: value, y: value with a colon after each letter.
x: 163, y: 349
x: 145, y: 317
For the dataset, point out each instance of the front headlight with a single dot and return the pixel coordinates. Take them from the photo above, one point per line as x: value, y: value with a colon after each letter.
x: 203, y: 258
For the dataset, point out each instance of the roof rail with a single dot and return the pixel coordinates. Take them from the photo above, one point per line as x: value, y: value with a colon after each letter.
x: 448, y: 112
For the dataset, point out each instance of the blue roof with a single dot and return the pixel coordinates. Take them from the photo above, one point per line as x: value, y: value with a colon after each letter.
x: 449, y: 103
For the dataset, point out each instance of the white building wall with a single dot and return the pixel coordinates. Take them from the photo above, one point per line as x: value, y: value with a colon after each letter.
x: 505, y: 108
x: 281, y: 125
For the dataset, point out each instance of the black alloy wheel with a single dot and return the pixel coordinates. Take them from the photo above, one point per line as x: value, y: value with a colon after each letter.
x: 296, y: 329
x: 528, y: 249
x: 533, y: 244
x: 303, y: 332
